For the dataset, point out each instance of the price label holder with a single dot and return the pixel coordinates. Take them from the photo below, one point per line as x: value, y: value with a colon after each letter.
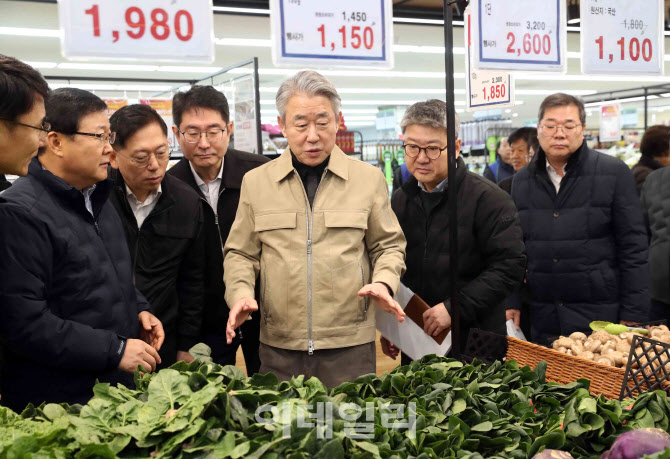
x: 485, y: 89
x: 622, y: 37
x: 528, y: 35
x: 343, y: 33
x: 157, y: 30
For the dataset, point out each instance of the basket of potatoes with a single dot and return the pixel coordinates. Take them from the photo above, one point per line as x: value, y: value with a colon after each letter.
x: 600, y: 357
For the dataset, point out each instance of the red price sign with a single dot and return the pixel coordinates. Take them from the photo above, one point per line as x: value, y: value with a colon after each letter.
x: 179, y: 30
x: 620, y: 37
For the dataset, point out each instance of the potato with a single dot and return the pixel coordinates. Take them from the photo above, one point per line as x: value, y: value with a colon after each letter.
x: 588, y: 355
x: 604, y: 361
x: 578, y: 336
x: 577, y: 348
x: 565, y: 342
x: 601, y: 336
x: 592, y: 345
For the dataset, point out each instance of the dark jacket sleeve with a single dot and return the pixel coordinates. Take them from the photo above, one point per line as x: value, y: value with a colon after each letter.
x: 142, y: 302
x: 632, y: 247
x: 488, y: 174
x: 26, y: 321
x: 191, y: 288
x: 499, y: 235
x: 397, y: 179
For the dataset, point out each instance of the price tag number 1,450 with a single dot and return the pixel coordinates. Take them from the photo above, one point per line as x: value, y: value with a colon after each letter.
x: 633, y: 51
x: 159, y: 26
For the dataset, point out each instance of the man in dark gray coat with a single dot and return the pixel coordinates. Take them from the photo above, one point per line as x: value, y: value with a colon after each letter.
x: 583, y: 226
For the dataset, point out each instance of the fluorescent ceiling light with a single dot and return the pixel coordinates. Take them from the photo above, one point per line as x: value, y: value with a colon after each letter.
x: 359, y: 123
x: 228, y: 9
x: 255, y: 42
x: 574, y: 21
x: 514, y: 115
x: 425, y: 49
x: 188, y: 69
x: 373, y: 102
x: 508, y: 110
x: 546, y: 92
x: 111, y: 67
x: 28, y: 32
x: 424, y: 21
x: 42, y: 65
x: 592, y: 78
x: 111, y: 87
x: 618, y: 101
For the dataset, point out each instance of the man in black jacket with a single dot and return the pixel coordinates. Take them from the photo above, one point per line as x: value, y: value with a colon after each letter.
x: 583, y: 228
x: 163, y: 221
x: 656, y: 202
x: 215, y: 171
x: 490, y: 241
x: 70, y: 313
x: 655, y: 153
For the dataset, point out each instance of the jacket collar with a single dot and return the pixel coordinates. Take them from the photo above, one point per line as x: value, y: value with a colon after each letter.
x: 165, y: 200
x: 337, y: 164
x: 539, y: 163
x: 67, y: 192
x: 230, y: 178
x: 411, y: 185
x: 182, y: 171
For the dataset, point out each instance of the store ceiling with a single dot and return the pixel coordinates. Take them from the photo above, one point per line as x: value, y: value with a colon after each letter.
x: 418, y: 73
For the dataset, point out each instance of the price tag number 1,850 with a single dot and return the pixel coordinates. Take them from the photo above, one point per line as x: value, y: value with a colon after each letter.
x: 159, y: 26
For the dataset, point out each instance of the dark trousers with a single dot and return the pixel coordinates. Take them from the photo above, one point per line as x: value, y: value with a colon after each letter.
x: 331, y: 366
x: 247, y: 336
x: 659, y: 311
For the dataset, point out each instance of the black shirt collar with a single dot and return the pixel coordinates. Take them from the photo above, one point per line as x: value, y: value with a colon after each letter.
x: 304, y: 169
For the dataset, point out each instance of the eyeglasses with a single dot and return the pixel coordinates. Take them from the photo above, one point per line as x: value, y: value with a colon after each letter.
x: 431, y: 152
x: 213, y: 135
x: 44, y: 127
x: 551, y: 130
x: 104, y: 137
x: 144, y: 160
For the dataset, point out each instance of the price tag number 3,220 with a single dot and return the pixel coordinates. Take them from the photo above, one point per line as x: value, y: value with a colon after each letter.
x: 158, y: 23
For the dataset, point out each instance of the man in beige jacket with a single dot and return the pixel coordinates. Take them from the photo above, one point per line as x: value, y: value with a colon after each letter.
x: 316, y: 228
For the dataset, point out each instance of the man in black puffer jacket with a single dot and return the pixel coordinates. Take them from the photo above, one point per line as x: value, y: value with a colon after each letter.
x: 584, y: 230
x: 490, y: 240
x: 70, y: 314
x: 656, y: 202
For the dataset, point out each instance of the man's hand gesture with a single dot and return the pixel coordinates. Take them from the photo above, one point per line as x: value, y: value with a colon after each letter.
x: 238, y: 314
x: 151, y: 330
x: 380, y: 293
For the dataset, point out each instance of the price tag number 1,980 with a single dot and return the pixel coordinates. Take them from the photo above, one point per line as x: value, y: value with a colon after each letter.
x: 157, y: 21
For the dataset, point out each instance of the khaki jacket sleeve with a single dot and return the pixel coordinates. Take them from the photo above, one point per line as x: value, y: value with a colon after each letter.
x: 384, y: 238
x: 242, y: 252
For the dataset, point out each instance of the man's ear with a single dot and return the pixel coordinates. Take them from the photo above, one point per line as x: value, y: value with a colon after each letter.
x: 114, y: 159
x: 282, y: 126
x: 231, y: 129
x: 54, y: 143
x: 458, y: 147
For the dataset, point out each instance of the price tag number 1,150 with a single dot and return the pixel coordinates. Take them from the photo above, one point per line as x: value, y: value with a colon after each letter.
x: 355, y: 37
x: 633, y: 50
x: 159, y: 24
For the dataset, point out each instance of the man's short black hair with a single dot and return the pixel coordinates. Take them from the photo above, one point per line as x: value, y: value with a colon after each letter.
x: 19, y: 85
x: 199, y: 97
x: 527, y: 134
x: 656, y: 141
x: 129, y: 119
x: 67, y: 106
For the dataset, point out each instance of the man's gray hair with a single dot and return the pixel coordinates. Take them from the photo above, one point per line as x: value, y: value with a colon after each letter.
x: 432, y: 113
x: 311, y: 84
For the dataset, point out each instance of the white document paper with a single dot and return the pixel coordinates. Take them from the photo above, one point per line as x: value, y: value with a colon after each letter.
x: 513, y: 332
x: 408, y: 336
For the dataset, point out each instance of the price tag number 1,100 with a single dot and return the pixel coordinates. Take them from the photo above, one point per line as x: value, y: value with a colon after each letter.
x: 633, y: 50
x: 159, y: 24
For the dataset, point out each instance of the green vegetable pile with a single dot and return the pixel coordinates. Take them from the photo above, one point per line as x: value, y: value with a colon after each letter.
x: 203, y: 410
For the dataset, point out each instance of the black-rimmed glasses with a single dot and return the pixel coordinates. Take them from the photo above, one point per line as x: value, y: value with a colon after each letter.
x: 413, y: 151
x: 213, y: 135
x: 44, y: 127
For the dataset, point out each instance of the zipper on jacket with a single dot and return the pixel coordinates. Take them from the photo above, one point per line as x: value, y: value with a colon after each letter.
x: 309, y: 217
x: 365, y: 311
x: 97, y: 228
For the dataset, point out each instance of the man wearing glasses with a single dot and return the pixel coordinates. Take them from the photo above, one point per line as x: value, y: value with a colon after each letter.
x: 214, y: 170
x: 70, y: 312
x: 583, y: 228
x: 163, y: 221
x: 490, y: 241
x: 22, y: 124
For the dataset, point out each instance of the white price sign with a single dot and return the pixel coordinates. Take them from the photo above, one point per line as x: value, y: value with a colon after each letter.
x: 620, y: 36
x: 343, y: 33
x: 520, y: 35
x: 158, y: 30
x: 485, y: 89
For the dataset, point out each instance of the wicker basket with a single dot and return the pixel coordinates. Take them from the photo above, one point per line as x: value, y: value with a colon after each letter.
x: 565, y: 369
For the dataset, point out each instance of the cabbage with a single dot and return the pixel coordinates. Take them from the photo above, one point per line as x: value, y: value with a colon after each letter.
x: 637, y: 443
